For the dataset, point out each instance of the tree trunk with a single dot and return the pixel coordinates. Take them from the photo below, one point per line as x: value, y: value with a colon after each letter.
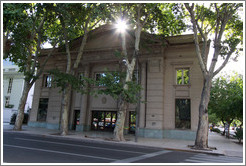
x: 120, y: 123
x: 202, y: 132
x: 228, y: 131
x: 65, y: 114
x: 224, y: 127
x: 21, y: 108
x: 119, y: 129
x: 5, y: 39
x: 121, y: 116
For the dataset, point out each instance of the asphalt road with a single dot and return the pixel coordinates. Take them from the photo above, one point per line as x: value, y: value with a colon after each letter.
x: 25, y: 148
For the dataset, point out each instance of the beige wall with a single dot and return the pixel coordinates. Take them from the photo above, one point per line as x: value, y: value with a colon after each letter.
x: 158, y: 79
x: 178, y: 57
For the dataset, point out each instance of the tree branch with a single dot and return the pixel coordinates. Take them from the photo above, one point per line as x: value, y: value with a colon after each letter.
x: 145, y: 20
x: 225, y: 62
x: 44, y: 63
x: 5, y: 41
x: 38, y: 44
x: 217, y: 22
x: 65, y: 33
x: 198, y: 52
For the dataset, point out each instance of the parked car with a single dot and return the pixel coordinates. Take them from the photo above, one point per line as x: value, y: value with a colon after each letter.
x: 13, y: 118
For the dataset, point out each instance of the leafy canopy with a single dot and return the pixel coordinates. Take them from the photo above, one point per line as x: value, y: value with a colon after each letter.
x: 226, y: 100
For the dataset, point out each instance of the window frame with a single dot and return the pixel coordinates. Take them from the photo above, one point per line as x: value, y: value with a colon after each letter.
x: 182, y: 77
x: 47, y: 84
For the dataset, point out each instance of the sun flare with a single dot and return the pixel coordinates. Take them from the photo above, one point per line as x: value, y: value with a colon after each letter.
x: 121, y: 26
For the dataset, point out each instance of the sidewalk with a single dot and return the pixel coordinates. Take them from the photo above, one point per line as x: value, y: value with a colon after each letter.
x: 224, y: 146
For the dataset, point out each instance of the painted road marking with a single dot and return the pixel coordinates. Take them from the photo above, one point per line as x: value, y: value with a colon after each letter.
x: 202, y: 158
x: 53, y: 151
x: 133, y: 159
x: 59, y: 143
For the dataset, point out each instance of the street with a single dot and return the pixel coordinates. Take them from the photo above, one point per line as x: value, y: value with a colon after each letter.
x: 25, y: 148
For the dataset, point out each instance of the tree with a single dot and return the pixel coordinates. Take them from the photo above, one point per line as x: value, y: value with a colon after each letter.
x: 76, y: 20
x: 25, y: 30
x: 227, y: 98
x: 212, y: 118
x: 223, y: 23
x: 141, y: 17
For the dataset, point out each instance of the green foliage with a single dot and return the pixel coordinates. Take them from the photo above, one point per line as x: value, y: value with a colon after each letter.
x: 78, y: 19
x: 216, y: 16
x: 212, y: 118
x: 226, y: 100
x: 215, y: 130
x: 182, y: 76
x: 239, y: 134
x: 26, y: 27
x: 108, y: 84
x: 113, y: 86
x: 62, y: 80
x: 169, y: 18
x: 9, y: 106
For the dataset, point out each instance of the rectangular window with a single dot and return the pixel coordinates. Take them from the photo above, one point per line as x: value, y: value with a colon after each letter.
x: 7, y: 99
x: 182, y: 76
x: 182, y: 114
x: 42, y: 109
x: 10, y: 85
x: 47, y: 81
x: 103, y: 120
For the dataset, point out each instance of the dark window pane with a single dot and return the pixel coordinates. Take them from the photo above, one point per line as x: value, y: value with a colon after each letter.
x: 103, y: 120
x: 94, y: 120
x: 182, y: 114
x: 42, y: 109
x: 132, y: 121
x: 47, y: 81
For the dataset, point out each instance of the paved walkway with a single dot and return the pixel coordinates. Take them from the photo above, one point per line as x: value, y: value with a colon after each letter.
x: 224, y: 146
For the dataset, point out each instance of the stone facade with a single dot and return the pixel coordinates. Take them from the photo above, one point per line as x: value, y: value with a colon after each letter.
x: 159, y: 61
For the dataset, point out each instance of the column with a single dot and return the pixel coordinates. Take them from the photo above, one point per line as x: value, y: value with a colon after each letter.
x: 142, y: 112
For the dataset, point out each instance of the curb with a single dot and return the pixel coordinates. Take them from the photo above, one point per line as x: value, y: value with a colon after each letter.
x: 103, y: 140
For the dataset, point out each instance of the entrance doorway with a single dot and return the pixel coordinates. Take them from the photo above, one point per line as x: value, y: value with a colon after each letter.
x: 103, y: 120
x: 132, y: 122
x: 76, y: 119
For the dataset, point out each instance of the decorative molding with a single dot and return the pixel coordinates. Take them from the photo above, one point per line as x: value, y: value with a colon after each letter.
x: 176, y: 86
x: 182, y: 63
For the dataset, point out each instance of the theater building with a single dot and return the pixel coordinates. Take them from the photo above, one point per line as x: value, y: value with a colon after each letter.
x: 170, y: 76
